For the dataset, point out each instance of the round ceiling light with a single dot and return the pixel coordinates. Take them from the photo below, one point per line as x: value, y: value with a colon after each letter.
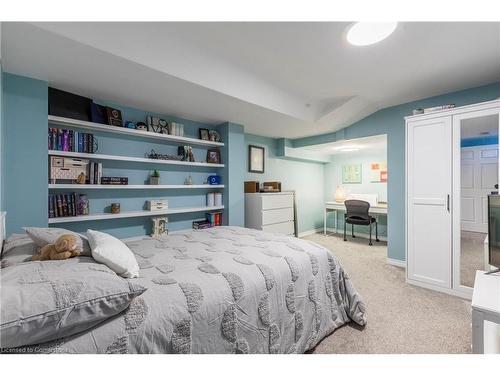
x: 366, y: 33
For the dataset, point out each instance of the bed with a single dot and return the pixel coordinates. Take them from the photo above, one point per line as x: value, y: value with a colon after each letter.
x: 224, y: 290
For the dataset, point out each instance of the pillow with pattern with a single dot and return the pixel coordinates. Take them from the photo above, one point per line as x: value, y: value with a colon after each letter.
x: 44, y: 301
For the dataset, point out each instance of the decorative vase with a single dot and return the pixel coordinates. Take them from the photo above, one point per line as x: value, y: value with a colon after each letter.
x: 83, y: 205
x: 154, y: 180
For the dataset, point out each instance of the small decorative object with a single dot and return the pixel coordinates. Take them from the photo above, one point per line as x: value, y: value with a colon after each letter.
x: 115, y: 208
x: 65, y: 247
x: 159, y: 226
x: 439, y: 108
x: 351, y: 174
x: 218, y: 199
x: 114, y: 116
x: 154, y: 178
x: 186, y: 153
x: 214, y: 180
x: 252, y: 186
x: 339, y: 194
x: 130, y: 125
x: 272, y: 187
x: 214, y: 135
x: 81, y: 179
x: 157, y: 204
x: 141, y: 126
x: 188, y: 180
x: 204, y: 134
x: 83, y: 205
x: 378, y: 171
x: 176, y: 129
x: 157, y: 125
x: 256, y: 157
x: 213, y: 156
x: 418, y: 111
x: 210, y: 199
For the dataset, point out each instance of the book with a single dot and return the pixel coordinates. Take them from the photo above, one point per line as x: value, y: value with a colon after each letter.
x: 51, y: 208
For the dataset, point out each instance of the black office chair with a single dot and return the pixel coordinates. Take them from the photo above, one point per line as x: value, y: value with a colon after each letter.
x: 357, y: 214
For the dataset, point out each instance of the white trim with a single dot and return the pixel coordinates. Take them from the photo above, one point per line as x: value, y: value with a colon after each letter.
x: 112, y: 187
x: 309, y: 232
x: 396, y: 262
x: 72, y: 123
x: 457, y: 293
x: 141, y: 213
x: 83, y: 155
x: 358, y: 234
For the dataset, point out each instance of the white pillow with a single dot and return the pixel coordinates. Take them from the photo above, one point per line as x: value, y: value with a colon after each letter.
x: 112, y: 252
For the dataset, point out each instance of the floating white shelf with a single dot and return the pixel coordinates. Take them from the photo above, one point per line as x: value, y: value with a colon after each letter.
x: 83, y: 155
x: 69, y: 122
x: 108, y: 216
x: 112, y: 187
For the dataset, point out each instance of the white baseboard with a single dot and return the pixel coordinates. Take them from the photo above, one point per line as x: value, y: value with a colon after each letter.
x: 396, y: 262
x: 309, y: 232
x: 358, y: 234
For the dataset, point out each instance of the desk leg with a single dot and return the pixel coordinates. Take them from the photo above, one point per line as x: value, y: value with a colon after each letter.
x: 336, y: 222
x: 477, y: 332
x: 324, y: 223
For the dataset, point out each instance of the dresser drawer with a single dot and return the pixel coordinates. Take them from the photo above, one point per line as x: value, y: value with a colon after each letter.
x: 279, y: 215
x: 273, y: 201
x: 282, y: 228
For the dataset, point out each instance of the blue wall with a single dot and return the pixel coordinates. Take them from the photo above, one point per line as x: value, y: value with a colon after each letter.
x: 390, y: 121
x: 306, y: 178
x: 479, y: 141
x: 26, y: 189
x: 25, y: 146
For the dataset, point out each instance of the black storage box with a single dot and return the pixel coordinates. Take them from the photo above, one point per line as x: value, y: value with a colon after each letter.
x: 66, y: 104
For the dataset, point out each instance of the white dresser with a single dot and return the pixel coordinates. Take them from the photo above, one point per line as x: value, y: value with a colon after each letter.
x: 270, y: 212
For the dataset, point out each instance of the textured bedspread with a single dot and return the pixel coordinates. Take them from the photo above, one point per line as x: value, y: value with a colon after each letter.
x: 226, y: 290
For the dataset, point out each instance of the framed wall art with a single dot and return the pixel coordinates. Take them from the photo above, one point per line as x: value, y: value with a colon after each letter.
x: 256, y: 159
x: 351, y: 174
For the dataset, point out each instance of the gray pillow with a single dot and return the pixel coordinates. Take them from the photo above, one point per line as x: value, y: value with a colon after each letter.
x: 45, y: 236
x: 44, y: 301
x: 17, y: 248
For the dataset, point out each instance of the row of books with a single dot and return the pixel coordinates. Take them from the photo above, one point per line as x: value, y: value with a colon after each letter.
x: 70, y: 140
x: 213, y: 219
x: 64, y: 205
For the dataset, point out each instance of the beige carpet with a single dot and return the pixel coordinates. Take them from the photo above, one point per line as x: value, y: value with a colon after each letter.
x: 401, y: 318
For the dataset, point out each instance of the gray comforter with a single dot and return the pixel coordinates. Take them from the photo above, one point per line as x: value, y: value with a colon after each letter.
x: 226, y: 290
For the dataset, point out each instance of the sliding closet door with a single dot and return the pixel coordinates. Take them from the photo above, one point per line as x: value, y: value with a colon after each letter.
x: 429, y: 182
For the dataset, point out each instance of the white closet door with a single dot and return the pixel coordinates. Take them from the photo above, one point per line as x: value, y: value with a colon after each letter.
x: 479, y: 174
x: 429, y: 181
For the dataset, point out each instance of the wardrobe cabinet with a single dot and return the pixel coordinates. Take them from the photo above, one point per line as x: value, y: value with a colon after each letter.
x: 433, y: 154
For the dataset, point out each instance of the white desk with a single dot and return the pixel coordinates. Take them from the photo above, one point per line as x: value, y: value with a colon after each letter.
x: 486, y: 313
x: 380, y: 209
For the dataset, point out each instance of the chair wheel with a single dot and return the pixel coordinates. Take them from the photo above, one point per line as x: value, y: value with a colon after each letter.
x: 377, y: 240
x: 353, y: 236
x: 345, y: 239
x: 370, y: 244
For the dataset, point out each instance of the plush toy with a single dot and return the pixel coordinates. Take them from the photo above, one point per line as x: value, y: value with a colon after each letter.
x: 65, y: 247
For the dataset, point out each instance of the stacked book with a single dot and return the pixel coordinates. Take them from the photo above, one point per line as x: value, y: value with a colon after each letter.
x: 70, y: 140
x: 176, y: 129
x: 95, y: 173
x: 201, y: 224
x: 114, y: 180
x: 63, y: 205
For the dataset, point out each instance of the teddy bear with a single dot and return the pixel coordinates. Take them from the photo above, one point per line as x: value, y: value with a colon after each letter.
x: 65, y: 247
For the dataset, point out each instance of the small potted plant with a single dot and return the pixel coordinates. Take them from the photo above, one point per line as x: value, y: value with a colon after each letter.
x: 154, y: 178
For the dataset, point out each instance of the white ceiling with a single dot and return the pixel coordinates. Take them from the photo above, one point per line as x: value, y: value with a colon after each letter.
x: 277, y: 79
x: 365, y: 145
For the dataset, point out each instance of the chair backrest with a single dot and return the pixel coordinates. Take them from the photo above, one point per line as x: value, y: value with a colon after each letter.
x: 357, y: 208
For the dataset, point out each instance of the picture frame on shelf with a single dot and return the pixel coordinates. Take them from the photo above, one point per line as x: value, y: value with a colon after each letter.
x: 256, y: 159
x: 214, y: 136
x: 204, y: 134
x: 159, y: 226
x: 213, y: 156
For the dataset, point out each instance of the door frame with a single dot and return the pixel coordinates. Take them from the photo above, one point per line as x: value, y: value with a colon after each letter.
x: 456, y: 193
